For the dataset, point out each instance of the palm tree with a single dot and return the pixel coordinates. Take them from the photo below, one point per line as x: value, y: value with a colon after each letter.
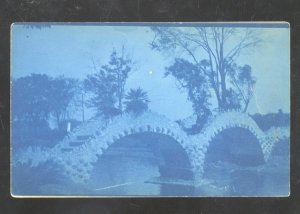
x: 136, y: 101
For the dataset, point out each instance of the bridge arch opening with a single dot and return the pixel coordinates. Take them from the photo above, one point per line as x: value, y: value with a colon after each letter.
x: 138, y: 163
x: 232, y: 160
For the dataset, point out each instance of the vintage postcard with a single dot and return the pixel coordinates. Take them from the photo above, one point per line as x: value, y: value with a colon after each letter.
x: 150, y: 109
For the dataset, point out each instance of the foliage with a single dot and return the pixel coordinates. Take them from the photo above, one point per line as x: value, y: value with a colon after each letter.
x: 243, y: 81
x: 28, y: 180
x: 108, y: 84
x: 209, y: 53
x: 37, y: 96
x: 267, y: 121
x: 34, y: 99
x: 63, y: 91
x: 193, y: 81
x: 136, y: 101
x: 30, y: 103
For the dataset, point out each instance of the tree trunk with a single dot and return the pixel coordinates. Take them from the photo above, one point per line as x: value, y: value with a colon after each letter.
x: 246, y: 105
x: 120, y: 103
x: 219, y: 99
x: 223, y: 91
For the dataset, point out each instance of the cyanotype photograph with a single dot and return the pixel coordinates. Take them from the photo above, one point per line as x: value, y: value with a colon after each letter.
x: 150, y: 109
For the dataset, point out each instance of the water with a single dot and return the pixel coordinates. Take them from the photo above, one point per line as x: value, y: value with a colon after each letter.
x: 267, y: 181
x: 135, y: 169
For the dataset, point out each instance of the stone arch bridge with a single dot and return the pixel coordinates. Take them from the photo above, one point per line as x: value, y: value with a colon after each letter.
x: 79, y: 151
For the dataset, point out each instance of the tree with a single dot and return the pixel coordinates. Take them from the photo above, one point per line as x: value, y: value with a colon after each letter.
x: 136, y: 101
x: 101, y: 84
x: 213, y: 52
x: 243, y: 81
x: 37, y: 96
x: 195, y: 82
x: 30, y: 103
x: 62, y: 91
x: 108, y: 84
x: 80, y: 99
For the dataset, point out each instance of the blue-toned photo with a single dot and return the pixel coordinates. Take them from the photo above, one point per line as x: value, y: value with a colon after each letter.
x: 150, y: 109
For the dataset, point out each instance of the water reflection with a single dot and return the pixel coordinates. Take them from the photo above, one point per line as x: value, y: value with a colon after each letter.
x: 129, y: 166
x: 160, y: 167
x: 147, y: 165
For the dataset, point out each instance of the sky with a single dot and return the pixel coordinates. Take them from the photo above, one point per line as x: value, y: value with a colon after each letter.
x: 75, y: 51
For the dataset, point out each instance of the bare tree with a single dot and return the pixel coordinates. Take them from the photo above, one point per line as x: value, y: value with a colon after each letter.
x: 213, y: 50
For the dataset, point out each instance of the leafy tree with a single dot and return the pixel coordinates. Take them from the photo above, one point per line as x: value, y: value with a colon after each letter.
x: 34, y: 99
x: 37, y: 96
x: 62, y: 91
x: 30, y: 108
x: 30, y: 103
x: 120, y: 66
x: 212, y: 51
x: 104, y: 89
x: 108, y: 84
x: 136, y: 101
x: 244, y: 82
x: 193, y: 81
